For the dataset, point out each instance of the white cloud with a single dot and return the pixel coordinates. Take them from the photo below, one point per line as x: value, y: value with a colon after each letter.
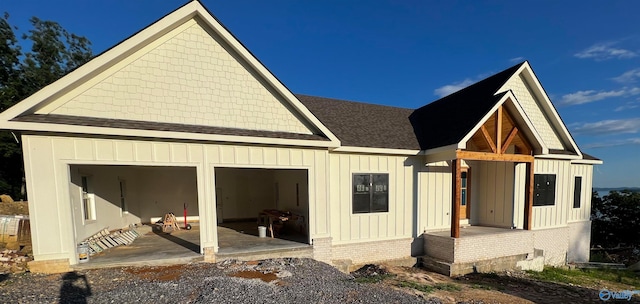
x: 628, y: 76
x: 612, y: 143
x: 516, y: 60
x: 452, y: 88
x: 582, y: 97
x: 628, y: 106
x: 604, y: 51
x: 609, y: 127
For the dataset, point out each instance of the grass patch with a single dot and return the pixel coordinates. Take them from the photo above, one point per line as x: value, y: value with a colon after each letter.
x: 373, y: 279
x: 481, y: 286
x: 578, y: 276
x: 429, y: 288
x: 416, y: 286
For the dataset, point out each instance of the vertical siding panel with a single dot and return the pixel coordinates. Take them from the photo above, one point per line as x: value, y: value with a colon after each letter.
x: 241, y: 155
x: 296, y: 157
x: 407, y: 200
x: 374, y: 161
x: 271, y: 157
x: 161, y: 152
x: 104, y: 150
x: 256, y: 156
x: 179, y: 153
x: 196, y: 154
x: 345, y: 198
x: 364, y: 163
x: 284, y: 159
x: 398, y: 192
x: 383, y: 226
x: 355, y: 228
x: 212, y: 154
x: 320, y: 170
x: 84, y: 149
x: 124, y: 151
x: 227, y: 155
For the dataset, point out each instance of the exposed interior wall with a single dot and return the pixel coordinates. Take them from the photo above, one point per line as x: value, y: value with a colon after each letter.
x: 435, y: 196
x: 398, y: 222
x: 293, y: 192
x: 492, y: 193
x: 149, y: 192
x: 166, y: 189
x: 244, y: 192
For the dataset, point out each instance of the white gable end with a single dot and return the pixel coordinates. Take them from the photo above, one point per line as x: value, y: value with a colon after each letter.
x: 186, y: 76
x: 532, y: 108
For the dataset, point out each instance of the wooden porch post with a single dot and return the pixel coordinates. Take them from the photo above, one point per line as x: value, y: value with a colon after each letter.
x: 455, y: 197
x: 528, y: 197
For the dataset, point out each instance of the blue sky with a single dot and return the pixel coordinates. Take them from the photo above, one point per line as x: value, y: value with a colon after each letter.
x: 409, y: 53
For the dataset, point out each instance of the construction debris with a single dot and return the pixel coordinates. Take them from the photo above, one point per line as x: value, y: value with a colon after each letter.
x: 169, y: 223
x: 13, y: 261
x: 106, y: 239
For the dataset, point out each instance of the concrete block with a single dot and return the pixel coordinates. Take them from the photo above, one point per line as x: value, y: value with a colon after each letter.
x: 49, y: 266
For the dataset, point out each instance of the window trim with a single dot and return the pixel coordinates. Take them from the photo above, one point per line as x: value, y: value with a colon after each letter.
x: 577, y: 199
x: 544, y: 192
x: 371, y: 193
x: 88, y: 200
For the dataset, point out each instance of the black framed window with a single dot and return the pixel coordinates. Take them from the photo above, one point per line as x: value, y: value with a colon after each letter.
x: 370, y: 193
x: 577, y: 191
x: 545, y: 190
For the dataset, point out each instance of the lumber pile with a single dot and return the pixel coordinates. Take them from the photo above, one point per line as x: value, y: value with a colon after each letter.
x: 106, y: 239
x: 13, y: 261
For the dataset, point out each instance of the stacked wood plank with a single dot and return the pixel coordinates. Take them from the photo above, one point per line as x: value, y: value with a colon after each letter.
x: 106, y: 239
x: 13, y: 261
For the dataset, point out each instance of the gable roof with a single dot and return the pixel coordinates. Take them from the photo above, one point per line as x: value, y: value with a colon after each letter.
x: 360, y: 124
x: 455, y: 116
x: 42, y: 101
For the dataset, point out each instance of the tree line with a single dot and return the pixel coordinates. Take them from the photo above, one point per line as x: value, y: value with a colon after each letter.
x: 52, y: 53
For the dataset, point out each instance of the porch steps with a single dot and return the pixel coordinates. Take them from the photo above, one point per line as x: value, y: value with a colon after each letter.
x: 518, y: 261
x: 297, y: 252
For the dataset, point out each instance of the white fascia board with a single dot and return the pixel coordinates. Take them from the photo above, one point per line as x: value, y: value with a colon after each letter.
x: 89, y: 130
x: 559, y: 156
x: 441, y: 149
x: 444, y: 155
x: 385, y: 151
x: 547, y: 105
x: 587, y: 162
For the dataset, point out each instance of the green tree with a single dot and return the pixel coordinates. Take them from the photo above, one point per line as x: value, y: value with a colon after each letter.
x: 54, y: 52
x: 615, y: 219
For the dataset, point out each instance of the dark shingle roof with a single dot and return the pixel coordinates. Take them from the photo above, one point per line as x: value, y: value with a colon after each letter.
x: 158, y: 126
x: 364, y: 125
x: 447, y: 120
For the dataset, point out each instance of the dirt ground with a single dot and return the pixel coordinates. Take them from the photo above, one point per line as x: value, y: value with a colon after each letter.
x: 506, y: 287
x: 14, y: 208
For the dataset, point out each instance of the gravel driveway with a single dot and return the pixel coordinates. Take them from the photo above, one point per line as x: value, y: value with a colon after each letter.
x: 270, y: 281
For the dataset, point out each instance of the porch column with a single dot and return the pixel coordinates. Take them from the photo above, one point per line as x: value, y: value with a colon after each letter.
x: 455, y: 197
x: 528, y: 196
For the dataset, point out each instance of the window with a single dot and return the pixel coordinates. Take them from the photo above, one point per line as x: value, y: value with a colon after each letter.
x: 544, y: 193
x: 88, y: 200
x: 123, y: 196
x: 370, y: 193
x: 463, y: 188
x: 577, y: 191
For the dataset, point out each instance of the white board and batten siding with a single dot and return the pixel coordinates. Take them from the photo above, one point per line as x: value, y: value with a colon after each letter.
x: 435, y: 182
x: 50, y: 206
x: 556, y: 215
x: 398, y: 222
x: 584, y: 212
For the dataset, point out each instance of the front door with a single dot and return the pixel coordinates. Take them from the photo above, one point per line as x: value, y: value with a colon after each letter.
x: 464, y: 194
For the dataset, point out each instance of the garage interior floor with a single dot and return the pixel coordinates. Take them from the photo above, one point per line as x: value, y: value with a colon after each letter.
x: 183, y: 246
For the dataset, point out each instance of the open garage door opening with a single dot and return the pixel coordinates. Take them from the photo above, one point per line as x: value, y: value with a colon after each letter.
x: 249, y: 198
x: 116, y: 199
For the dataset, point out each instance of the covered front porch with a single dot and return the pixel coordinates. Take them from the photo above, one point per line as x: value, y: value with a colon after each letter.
x: 492, y: 193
